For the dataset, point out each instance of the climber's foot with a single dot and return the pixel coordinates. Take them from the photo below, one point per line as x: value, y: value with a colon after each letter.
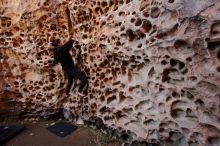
x: 81, y: 94
x: 68, y: 95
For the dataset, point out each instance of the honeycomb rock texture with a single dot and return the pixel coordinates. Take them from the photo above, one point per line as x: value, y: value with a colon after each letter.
x: 153, y: 66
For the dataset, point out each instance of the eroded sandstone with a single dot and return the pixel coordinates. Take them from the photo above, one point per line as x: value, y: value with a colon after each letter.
x: 153, y: 66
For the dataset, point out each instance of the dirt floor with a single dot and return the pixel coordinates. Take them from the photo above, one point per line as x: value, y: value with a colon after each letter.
x: 36, y: 134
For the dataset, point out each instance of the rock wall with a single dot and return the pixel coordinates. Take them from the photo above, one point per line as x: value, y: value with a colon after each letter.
x: 153, y: 66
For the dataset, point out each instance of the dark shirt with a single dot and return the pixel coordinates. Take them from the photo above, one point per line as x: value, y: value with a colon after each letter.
x: 62, y: 55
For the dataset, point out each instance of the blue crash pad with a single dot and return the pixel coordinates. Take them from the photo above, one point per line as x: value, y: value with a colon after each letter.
x: 62, y: 129
x: 7, y: 132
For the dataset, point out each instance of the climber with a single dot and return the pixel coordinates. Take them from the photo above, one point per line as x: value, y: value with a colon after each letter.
x: 62, y: 55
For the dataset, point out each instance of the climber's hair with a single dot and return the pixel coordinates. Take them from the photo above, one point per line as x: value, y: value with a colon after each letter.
x: 55, y: 42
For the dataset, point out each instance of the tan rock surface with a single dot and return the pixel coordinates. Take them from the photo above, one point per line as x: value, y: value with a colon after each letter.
x: 153, y: 65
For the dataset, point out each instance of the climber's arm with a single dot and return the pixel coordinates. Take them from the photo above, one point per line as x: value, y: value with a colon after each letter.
x: 67, y: 46
x: 56, y: 60
x: 56, y: 55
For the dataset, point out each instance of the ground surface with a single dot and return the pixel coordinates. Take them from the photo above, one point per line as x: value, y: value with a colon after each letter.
x: 36, y: 134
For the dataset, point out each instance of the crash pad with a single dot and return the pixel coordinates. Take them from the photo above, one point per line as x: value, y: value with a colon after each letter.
x: 7, y: 132
x: 62, y: 129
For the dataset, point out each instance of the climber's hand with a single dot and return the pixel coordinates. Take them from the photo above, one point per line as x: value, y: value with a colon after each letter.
x: 71, y: 36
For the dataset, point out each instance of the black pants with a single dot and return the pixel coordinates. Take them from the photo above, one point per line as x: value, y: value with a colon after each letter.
x: 74, y: 73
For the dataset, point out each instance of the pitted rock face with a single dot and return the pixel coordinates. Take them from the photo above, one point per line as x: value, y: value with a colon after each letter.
x: 153, y: 66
